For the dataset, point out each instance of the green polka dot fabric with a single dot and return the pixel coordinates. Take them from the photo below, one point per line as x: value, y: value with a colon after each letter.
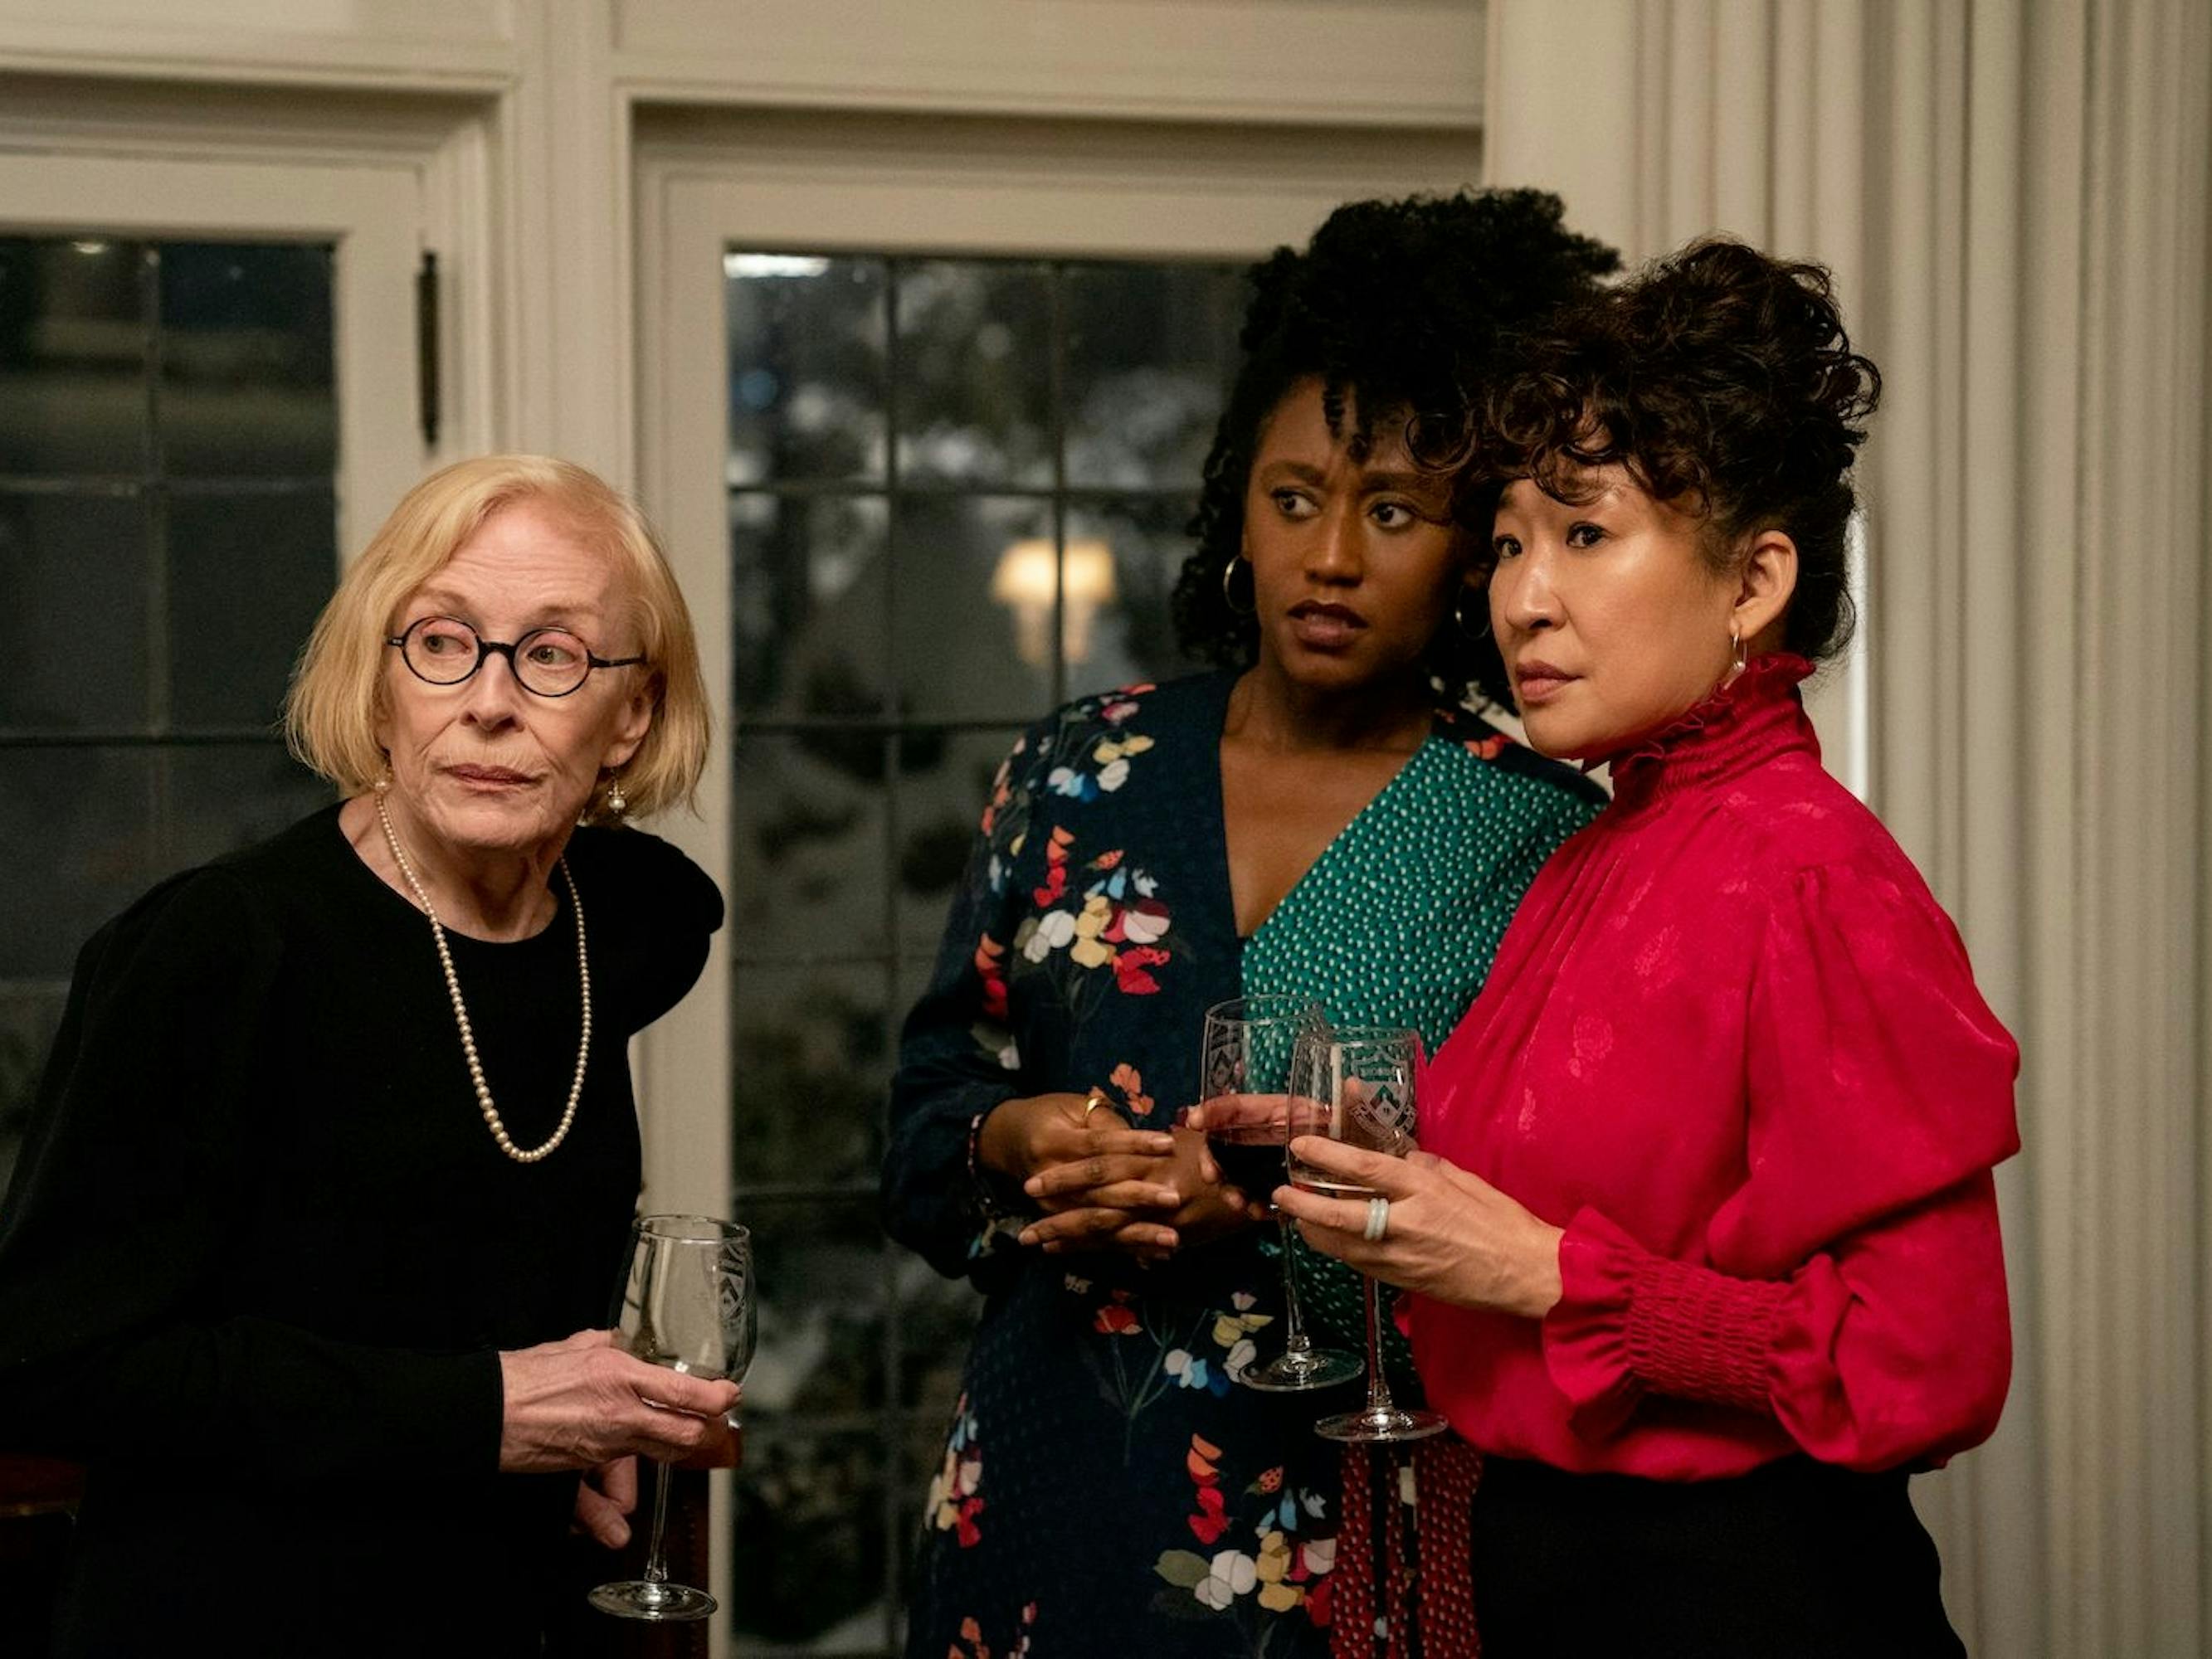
x: 1395, y: 924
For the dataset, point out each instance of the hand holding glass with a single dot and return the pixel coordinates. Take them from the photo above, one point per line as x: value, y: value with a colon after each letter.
x: 687, y: 1304
x: 1357, y: 1084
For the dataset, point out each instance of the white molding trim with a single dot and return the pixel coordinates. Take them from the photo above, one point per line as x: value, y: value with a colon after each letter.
x: 1320, y: 63
x: 564, y: 140
x: 248, y: 63
x: 434, y: 45
x: 675, y: 82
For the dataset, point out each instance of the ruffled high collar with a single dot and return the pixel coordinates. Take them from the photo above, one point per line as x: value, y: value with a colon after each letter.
x: 1753, y: 718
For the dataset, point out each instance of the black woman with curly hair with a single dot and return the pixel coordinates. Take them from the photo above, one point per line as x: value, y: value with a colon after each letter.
x: 1321, y: 816
x: 1703, y: 1237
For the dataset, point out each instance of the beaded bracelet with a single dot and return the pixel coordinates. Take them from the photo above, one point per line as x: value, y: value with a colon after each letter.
x: 980, y: 1189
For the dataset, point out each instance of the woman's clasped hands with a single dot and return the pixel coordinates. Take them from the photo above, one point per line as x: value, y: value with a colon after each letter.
x: 1446, y: 1234
x: 1103, y: 1185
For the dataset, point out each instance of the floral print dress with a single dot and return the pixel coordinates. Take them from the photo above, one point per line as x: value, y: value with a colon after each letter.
x: 1106, y: 1487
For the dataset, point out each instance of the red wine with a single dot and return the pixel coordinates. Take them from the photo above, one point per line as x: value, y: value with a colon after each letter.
x: 1250, y: 1156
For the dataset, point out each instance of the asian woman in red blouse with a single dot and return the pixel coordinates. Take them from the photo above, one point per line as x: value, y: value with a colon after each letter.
x: 1703, y: 1240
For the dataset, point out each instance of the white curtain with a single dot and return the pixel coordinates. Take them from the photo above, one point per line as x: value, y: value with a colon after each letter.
x: 2012, y: 195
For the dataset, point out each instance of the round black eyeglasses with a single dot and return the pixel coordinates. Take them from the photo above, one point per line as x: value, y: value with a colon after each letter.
x: 547, y: 662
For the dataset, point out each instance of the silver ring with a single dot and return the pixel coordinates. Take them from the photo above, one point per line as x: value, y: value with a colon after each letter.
x: 1378, y: 1220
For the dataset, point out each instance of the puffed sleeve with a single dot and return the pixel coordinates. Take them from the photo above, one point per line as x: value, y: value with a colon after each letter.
x: 957, y: 1055
x: 1854, y: 1288
x: 652, y: 927
x: 114, y: 1235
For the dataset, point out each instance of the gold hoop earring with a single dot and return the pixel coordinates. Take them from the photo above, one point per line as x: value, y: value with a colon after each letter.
x: 1459, y: 619
x: 1228, y: 576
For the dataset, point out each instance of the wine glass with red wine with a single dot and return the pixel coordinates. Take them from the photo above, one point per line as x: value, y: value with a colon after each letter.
x: 1244, y: 1075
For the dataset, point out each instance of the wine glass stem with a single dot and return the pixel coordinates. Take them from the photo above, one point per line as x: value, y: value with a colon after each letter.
x: 1378, y: 1390
x: 1297, y: 1342
x: 656, y: 1567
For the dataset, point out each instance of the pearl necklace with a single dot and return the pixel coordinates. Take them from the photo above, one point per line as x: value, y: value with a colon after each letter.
x: 461, y: 1013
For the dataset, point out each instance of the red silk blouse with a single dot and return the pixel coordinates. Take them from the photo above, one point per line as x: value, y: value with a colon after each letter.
x: 1733, y: 1046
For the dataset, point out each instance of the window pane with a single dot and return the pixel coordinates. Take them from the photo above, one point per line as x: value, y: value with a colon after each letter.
x: 807, y: 849
x: 28, y: 1015
x: 972, y: 622
x: 228, y: 796
x: 246, y: 361
x: 914, y: 969
x: 77, y: 844
x: 812, y: 1053
x: 1126, y: 636
x: 84, y: 831
x: 820, y: 1267
x: 808, y: 604
x: 809, y: 1555
x: 807, y: 366
x: 248, y: 575
x: 1150, y: 349
x: 975, y: 372
x: 936, y: 1318
x: 73, y: 339
x: 73, y: 628
x: 938, y: 805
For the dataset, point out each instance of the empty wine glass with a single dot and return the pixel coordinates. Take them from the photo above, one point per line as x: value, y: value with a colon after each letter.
x: 687, y: 1304
x: 1244, y: 1075
x: 1358, y: 1085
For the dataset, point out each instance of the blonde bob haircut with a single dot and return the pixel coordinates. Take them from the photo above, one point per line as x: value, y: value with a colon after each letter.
x: 338, y: 695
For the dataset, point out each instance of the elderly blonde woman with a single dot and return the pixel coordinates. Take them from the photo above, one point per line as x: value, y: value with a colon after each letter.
x: 327, y: 1184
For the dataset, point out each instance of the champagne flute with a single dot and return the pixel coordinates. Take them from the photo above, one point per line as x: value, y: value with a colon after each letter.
x: 687, y: 1304
x: 1357, y: 1084
x: 1244, y: 1075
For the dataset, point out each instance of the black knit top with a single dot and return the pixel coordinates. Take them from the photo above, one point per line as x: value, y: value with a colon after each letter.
x: 260, y: 1250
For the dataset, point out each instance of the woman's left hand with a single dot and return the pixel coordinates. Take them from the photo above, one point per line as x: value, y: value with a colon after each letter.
x: 1450, y: 1235
x: 582, y: 1402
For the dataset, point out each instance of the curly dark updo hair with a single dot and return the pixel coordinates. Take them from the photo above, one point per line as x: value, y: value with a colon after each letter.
x: 1723, y: 379
x: 1403, y: 311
